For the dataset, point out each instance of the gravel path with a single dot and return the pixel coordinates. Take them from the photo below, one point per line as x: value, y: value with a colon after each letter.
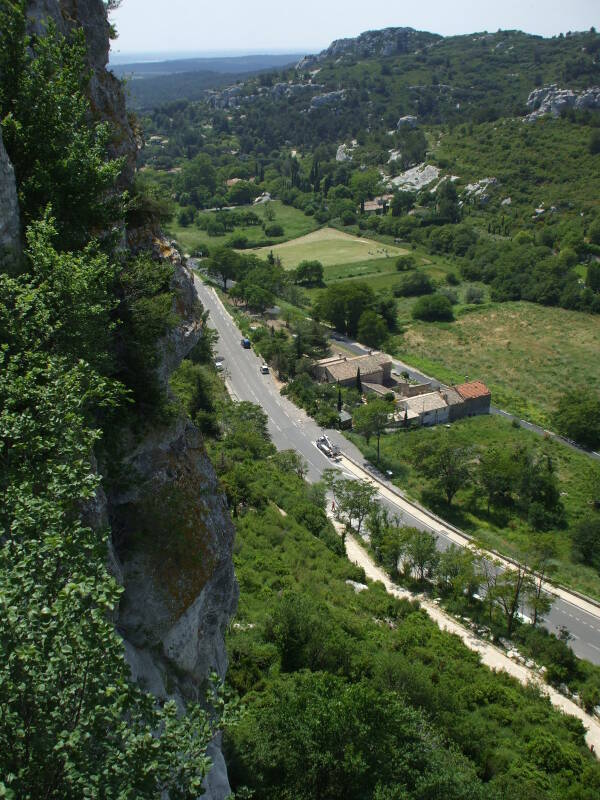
x: 490, y: 655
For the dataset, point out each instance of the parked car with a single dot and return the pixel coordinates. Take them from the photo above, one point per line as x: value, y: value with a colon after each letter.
x: 264, y: 369
x: 245, y: 343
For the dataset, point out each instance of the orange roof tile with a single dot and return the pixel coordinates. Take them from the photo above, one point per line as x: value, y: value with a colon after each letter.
x: 472, y: 390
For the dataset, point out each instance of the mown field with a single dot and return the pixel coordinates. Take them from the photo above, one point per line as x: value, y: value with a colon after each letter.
x: 527, y: 354
x: 503, y: 530
x: 331, y: 247
x: 294, y: 222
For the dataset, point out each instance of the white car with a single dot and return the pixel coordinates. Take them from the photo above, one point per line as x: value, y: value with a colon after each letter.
x: 264, y: 369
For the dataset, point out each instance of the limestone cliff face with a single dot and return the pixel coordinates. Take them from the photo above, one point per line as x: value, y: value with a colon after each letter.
x: 172, y: 534
x: 9, y: 212
x: 106, y: 95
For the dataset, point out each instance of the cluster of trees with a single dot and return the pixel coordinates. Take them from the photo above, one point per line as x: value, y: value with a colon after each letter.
x: 413, y: 554
x: 578, y: 417
x: 355, y: 309
x: 310, y: 657
x: 78, y: 320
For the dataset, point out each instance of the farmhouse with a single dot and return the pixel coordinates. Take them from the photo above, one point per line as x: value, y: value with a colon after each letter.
x: 378, y: 205
x: 476, y: 397
x: 446, y: 405
x: 425, y: 409
x: 375, y: 368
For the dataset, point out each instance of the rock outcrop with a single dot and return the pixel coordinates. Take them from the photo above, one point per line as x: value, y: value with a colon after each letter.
x: 172, y: 534
x: 416, y: 178
x: 371, y: 44
x: 554, y: 101
x: 105, y: 90
x: 10, y: 244
x: 408, y: 121
x: 327, y: 99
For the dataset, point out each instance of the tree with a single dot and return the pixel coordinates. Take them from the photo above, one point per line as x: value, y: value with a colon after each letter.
x: 448, y: 465
x: 372, y: 329
x: 578, y: 416
x: 435, y: 308
x: 540, y: 602
x: 447, y: 202
x: 594, y: 145
x: 224, y: 264
x: 198, y: 179
x: 372, y: 419
x: 355, y: 500
x: 457, y: 571
x: 405, y: 263
x: 339, y: 399
x: 420, y: 552
x: 586, y: 541
x: 592, y: 280
x: 291, y: 461
x: 309, y: 273
x: 358, y: 381
x: 513, y: 587
x: 343, y: 304
x: 60, y: 157
x: 414, y: 284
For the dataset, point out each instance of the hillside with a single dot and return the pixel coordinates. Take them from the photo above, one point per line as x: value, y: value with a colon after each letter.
x: 152, y: 83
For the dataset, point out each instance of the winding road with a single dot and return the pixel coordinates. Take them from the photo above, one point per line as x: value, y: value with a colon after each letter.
x: 292, y: 429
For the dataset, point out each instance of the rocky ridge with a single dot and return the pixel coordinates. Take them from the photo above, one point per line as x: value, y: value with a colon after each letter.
x: 172, y: 534
x: 383, y: 43
x: 554, y: 101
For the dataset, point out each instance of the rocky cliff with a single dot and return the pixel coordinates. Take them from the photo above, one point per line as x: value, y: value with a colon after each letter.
x: 383, y: 43
x: 106, y: 95
x: 172, y: 534
x: 554, y: 101
x: 9, y: 212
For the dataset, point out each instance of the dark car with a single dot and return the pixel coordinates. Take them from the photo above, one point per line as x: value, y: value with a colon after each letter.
x: 246, y: 343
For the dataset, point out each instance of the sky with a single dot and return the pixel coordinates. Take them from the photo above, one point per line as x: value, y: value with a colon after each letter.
x: 189, y: 27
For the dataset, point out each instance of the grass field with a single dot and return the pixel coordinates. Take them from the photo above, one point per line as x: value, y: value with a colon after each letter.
x: 502, y: 531
x: 295, y: 223
x: 331, y: 247
x: 526, y: 353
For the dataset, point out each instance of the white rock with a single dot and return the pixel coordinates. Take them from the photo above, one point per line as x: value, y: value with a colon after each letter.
x: 417, y: 178
x: 358, y: 587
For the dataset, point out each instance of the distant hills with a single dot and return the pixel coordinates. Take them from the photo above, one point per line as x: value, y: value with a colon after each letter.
x: 151, y: 83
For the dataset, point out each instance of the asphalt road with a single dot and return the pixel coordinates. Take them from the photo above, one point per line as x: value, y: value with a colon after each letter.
x: 400, y: 366
x: 291, y: 428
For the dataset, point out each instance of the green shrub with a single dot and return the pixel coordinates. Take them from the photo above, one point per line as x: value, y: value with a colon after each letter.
x: 434, y: 308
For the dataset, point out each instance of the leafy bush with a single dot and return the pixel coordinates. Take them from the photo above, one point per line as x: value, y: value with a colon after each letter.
x: 274, y: 230
x: 413, y: 285
x: 434, y: 308
x: 474, y: 295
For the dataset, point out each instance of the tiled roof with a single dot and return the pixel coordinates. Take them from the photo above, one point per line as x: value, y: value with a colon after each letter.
x: 472, y: 390
x: 425, y: 402
x: 345, y: 368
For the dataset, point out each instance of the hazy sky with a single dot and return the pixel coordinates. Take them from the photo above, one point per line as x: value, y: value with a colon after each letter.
x: 310, y: 25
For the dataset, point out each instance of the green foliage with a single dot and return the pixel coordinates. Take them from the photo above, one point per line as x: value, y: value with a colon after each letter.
x: 344, y: 304
x: 309, y: 273
x: 578, y: 417
x: 345, y: 651
x: 413, y: 285
x: 433, y: 308
x: 586, y: 541
x: 73, y: 723
x: 372, y: 329
x: 347, y: 741
x: 59, y: 158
